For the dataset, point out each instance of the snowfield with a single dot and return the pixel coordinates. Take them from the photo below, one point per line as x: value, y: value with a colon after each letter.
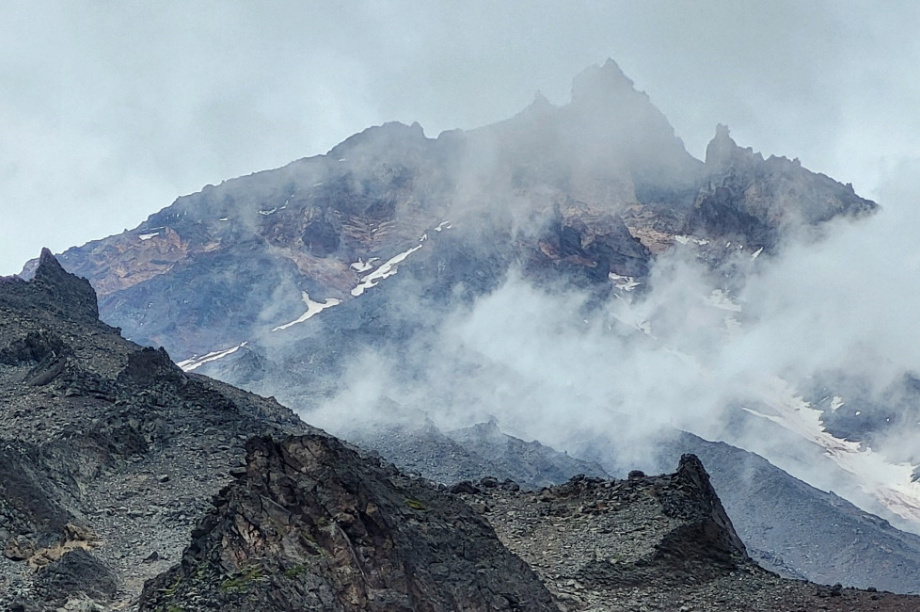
x: 313, y: 308
x: 889, y: 483
x: 195, y: 362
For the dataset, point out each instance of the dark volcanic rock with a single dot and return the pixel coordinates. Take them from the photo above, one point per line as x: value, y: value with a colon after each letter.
x: 656, y: 543
x: 311, y: 525
x: 756, y: 201
x: 777, y: 515
x: 106, y: 448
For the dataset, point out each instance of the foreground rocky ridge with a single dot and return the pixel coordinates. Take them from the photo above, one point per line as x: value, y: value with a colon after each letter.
x: 108, y: 451
x: 312, y: 526
x: 648, y: 544
x: 789, y: 527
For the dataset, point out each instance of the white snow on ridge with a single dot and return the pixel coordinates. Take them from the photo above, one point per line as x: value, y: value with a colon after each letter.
x: 623, y: 283
x: 148, y: 236
x: 313, y: 308
x: 756, y: 253
x: 268, y: 212
x: 364, y: 266
x: 680, y: 239
x: 389, y: 267
x: 889, y: 483
x: 195, y: 362
x: 386, y: 270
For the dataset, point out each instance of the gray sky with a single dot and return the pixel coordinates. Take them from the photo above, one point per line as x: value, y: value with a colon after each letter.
x: 110, y: 110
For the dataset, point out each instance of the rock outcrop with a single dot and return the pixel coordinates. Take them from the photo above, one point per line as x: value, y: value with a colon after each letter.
x: 651, y: 543
x: 756, y: 201
x: 312, y: 526
x: 108, y: 451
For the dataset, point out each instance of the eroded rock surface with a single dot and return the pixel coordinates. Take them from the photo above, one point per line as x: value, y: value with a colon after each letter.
x: 648, y: 543
x: 108, y: 451
x: 313, y: 526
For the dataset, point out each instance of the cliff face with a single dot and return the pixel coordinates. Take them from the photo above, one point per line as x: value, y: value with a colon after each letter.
x: 312, y: 526
x: 757, y: 201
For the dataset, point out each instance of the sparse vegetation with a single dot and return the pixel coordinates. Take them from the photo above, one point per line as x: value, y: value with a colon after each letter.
x: 241, y: 582
x: 415, y: 504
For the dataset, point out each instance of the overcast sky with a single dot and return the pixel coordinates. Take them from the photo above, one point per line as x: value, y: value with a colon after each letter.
x: 111, y: 110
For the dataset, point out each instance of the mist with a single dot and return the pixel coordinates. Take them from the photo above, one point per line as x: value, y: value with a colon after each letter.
x: 731, y: 359
x: 112, y: 110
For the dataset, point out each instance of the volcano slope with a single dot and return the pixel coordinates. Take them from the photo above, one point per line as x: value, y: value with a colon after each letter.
x: 281, y: 280
x: 110, y: 453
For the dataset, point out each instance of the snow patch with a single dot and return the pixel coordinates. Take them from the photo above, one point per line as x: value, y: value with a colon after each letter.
x: 443, y: 225
x: 836, y: 403
x: 756, y: 253
x: 313, y: 308
x: 268, y: 212
x: 892, y: 484
x: 388, y: 269
x: 195, y: 362
x: 682, y: 239
x: 148, y: 236
x: 364, y: 266
x: 623, y: 283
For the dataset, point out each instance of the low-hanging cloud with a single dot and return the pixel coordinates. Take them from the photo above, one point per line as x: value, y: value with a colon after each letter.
x: 548, y: 364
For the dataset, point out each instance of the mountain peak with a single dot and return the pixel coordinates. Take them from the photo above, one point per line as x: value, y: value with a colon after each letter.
x: 72, y: 294
x: 601, y: 83
x: 720, y: 148
x: 48, y: 266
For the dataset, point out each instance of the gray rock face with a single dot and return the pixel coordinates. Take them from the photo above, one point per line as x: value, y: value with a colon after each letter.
x: 649, y: 543
x: 89, y: 425
x: 756, y: 201
x: 313, y: 526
